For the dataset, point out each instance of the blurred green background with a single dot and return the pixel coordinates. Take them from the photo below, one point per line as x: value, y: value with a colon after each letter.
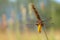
x: 49, y: 11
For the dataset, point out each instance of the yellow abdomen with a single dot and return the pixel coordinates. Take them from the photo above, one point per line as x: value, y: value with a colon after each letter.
x: 39, y: 28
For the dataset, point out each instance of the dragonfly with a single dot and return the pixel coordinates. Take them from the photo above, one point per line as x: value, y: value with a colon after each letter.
x: 39, y: 21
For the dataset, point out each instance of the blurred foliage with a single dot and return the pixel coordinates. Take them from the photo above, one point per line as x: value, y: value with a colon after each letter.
x: 50, y: 15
